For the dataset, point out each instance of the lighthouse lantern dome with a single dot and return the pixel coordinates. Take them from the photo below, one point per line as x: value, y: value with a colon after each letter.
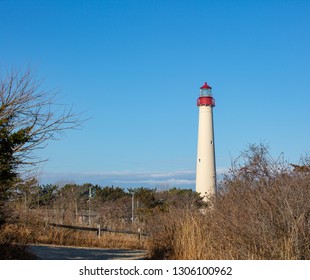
x: 205, y: 98
x: 205, y: 90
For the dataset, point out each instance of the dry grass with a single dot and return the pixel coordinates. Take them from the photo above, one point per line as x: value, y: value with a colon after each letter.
x: 257, y: 221
x: 261, y: 212
x: 30, y: 234
x: 261, y: 218
x: 10, y: 251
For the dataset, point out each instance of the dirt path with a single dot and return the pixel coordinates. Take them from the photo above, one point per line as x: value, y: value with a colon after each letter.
x: 49, y: 252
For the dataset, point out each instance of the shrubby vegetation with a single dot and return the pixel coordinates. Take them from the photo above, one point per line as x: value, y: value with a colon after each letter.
x: 34, y: 208
x: 261, y: 211
x: 88, y: 204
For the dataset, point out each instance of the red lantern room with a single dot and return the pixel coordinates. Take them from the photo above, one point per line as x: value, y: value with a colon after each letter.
x: 205, y: 98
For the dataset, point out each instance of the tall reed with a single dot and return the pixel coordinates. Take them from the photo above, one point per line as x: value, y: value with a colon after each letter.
x: 257, y: 221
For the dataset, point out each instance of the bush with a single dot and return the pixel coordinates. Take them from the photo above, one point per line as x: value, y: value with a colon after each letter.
x: 261, y: 215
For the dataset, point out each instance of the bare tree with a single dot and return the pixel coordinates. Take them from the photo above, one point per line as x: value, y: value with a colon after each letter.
x: 31, y: 112
x: 256, y: 163
x: 29, y: 117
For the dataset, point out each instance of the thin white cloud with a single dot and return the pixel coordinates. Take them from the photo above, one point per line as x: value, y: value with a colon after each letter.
x: 126, y: 178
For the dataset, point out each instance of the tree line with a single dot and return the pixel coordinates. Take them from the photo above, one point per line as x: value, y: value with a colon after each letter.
x: 89, y: 204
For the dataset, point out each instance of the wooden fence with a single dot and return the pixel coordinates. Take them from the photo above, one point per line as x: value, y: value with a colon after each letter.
x: 99, y: 230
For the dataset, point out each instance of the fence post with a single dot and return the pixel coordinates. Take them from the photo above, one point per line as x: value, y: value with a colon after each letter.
x: 99, y: 231
x: 139, y: 236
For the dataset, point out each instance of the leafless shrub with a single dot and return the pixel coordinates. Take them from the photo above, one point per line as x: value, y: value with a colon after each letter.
x: 261, y: 212
x: 29, y: 109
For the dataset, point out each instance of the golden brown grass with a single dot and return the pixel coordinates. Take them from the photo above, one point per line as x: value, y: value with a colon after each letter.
x: 262, y: 218
x: 9, y: 251
x: 262, y: 211
x: 249, y: 220
x: 38, y: 233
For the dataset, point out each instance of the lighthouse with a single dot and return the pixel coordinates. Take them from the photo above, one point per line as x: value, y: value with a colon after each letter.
x: 205, y: 171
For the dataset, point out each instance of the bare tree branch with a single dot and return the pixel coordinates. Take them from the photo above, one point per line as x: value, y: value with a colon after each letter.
x: 31, y: 113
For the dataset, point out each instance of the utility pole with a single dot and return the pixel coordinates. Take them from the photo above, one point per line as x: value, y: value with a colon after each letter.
x: 132, y: 207
x: 89, y: 206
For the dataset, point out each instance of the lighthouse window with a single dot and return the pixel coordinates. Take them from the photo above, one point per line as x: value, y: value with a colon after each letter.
x: 211, y: 141
x: 199, y: 160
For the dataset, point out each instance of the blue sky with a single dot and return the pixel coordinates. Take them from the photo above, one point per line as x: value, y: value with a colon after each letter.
x: 135, y: 67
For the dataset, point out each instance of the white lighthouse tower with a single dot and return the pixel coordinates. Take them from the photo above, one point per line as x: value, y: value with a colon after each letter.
x: 206, y: 171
